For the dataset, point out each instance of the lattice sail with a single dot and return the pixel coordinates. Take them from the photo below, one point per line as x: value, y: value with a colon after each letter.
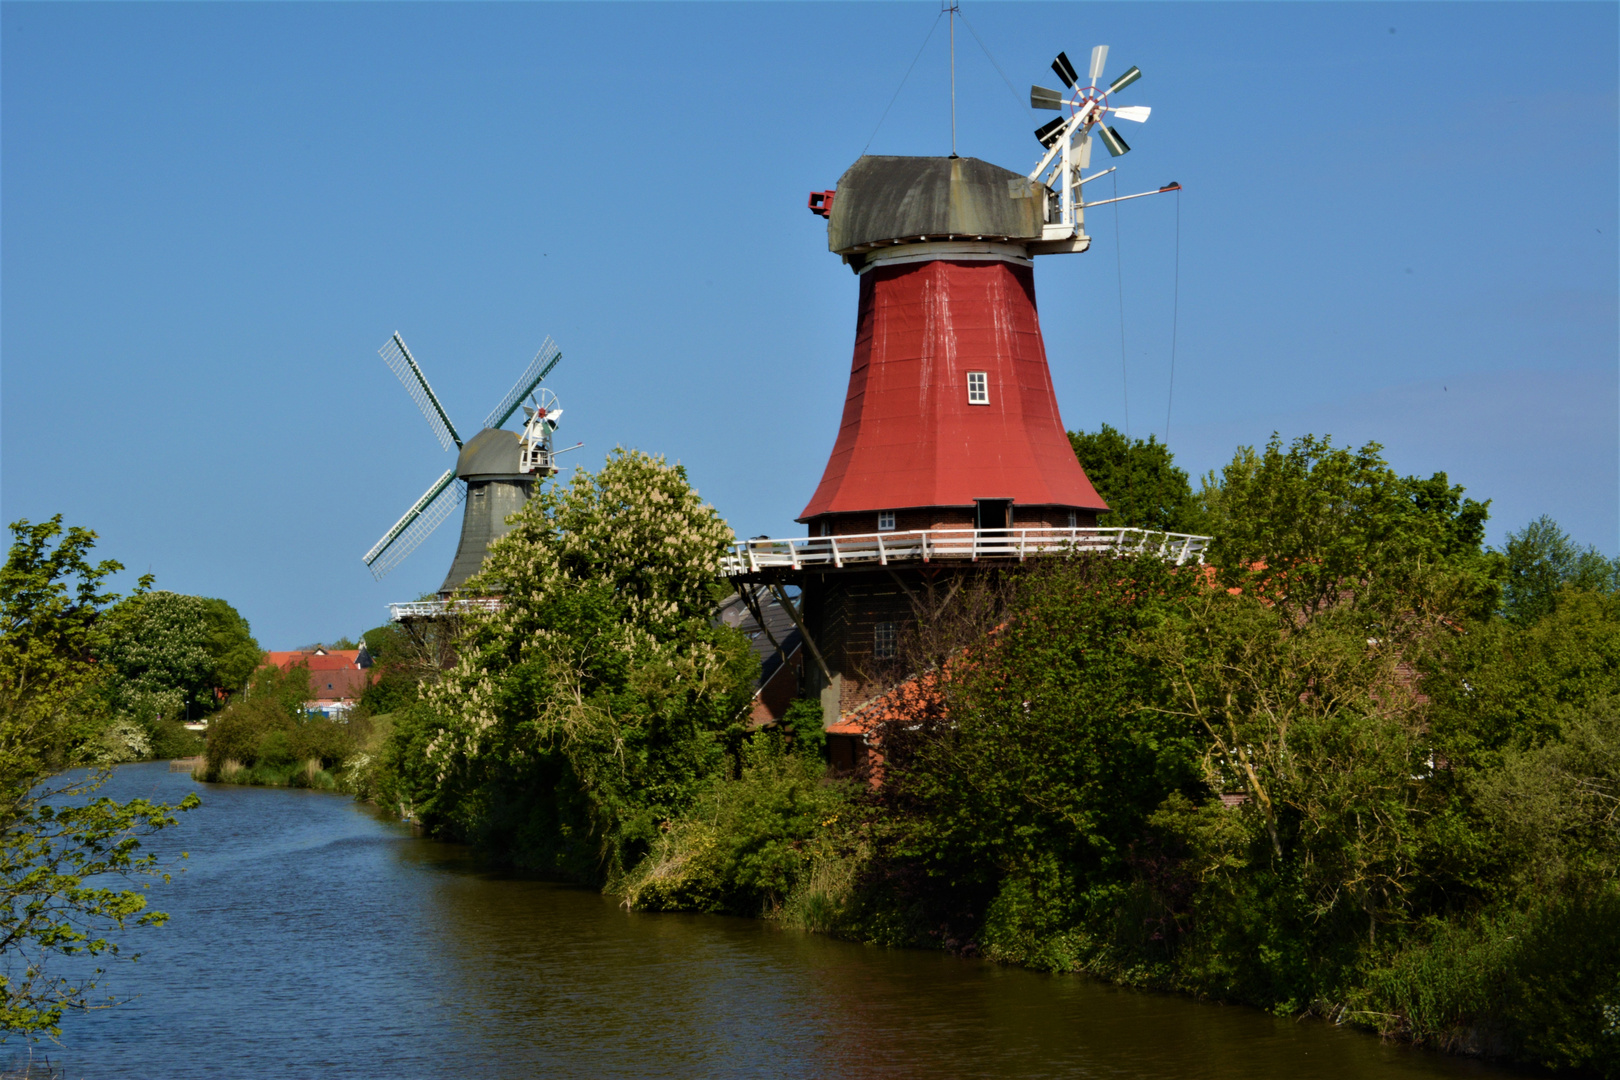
x: 401, y: 363
x: 544, y: 360
x: 418, y: 523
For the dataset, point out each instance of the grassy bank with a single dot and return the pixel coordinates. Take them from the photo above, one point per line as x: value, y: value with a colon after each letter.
x: 305, y: 774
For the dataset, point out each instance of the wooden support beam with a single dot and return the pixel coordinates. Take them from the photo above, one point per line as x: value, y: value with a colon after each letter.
x: 787, y: 605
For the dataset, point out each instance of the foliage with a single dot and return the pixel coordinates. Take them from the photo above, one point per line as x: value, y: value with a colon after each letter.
x: 397, y: 668
x: 169, y: 658
x: 1316, y: 728
x: 268, y: 726
x: 59, y: 847
x: 1008, y: 816
x: 1316, y: 522
x: 595, y: 705
x: 1505, y: 684
x: 745, y: 844
x: 1139, y: 481
x: 1542, y: 561
x: 804, y: 721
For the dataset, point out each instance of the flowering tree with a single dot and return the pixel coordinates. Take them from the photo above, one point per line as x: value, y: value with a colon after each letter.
x: 583, y: 715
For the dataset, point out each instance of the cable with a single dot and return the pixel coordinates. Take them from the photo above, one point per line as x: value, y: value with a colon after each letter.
x: 1028, y: 111
x: 1119, y: 267
x: 1124, y: 375
x: 1175, y: 315
x: 902, y: 85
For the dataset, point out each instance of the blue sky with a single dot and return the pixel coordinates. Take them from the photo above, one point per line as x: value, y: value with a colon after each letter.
x: 1399, y: 224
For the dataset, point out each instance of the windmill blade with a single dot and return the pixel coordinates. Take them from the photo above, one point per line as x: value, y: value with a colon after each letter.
x: 425, y: 515
x: 1048, y: 132
x: 403, y: 364
x: 544, y: 360
x: 1116, y: 145
x: 1099, y: 57
x: 1042, y: 98
x: 1138, y: 113
x: 1083, y: 157
x: 1065, y: 71
x: 1131, y: 75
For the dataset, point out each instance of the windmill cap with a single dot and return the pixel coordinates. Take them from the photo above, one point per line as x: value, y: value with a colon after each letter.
x: 887, y: 200
x: 492, y: 454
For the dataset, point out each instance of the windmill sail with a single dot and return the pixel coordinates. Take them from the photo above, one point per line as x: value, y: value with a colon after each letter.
x: 544, y: 360
x: 428, y: 512
x: 399, y: 360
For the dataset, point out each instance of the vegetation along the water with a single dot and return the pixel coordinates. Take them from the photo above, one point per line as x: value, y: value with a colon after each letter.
x: 1358, y: 765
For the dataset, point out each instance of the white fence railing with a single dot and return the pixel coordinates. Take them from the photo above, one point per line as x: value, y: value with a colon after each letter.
x: 433, y: 609
x: 881, y: 549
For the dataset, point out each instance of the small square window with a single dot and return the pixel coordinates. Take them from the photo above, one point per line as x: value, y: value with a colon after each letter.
x: 885, y: 521
x: 884, y: 638
x: 978, y: 388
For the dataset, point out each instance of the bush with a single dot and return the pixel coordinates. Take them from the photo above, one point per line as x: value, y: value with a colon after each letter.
x: 745, y: 845
x: 268, y: 726
x: 170, y: 740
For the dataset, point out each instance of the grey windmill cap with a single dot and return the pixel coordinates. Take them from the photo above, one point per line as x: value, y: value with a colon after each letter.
x: 491, y: 454
x: 887, y: 200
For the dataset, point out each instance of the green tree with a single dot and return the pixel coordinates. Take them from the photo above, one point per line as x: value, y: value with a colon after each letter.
x: 1542, y: 561
x: 1139, y: 481
x: 270, y: 725
x: 157, y: 651
x: 173, y: 658
x: 1008, y: 812
x: 59, y: 845
x: 232, y: 646
x: 592, y: 707
x: 1315, y: 522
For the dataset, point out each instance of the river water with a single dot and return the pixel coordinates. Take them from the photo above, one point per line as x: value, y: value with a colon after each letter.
x: 311, y: 938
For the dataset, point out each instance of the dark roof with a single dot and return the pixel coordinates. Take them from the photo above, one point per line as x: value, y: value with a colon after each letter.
x: 884, y: 199
x: 492, y: 452
x: 734, y: 613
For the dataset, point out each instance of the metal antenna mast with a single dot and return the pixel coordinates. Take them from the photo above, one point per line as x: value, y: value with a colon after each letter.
x: 951, y: 7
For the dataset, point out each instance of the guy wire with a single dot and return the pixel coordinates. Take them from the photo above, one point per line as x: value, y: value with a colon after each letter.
x: 1023, y: 108
x: 1175, y: 314
x: 1119, y: 268
x: 903, y: 79
x: 1124, y: 373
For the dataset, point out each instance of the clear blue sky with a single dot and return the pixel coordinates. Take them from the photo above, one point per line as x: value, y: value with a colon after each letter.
x: 1399, y: 224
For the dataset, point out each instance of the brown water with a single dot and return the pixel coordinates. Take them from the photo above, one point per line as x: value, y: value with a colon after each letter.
x: 311, y: 939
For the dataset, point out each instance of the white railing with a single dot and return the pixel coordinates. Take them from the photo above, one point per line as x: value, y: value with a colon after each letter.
x: 433, y: 609
x: 881, y: 549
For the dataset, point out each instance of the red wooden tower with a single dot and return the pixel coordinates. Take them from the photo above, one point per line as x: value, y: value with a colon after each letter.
x: 950, y: 419
x: 951, y: 457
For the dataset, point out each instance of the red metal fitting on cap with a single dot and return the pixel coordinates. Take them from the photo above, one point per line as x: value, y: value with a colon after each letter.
x: 821, y: 202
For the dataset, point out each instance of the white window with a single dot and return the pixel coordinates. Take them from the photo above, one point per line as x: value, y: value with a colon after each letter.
x: 1074, y: 520
x: 885, y: 521
x: 884, y: 637
x: 978, y: 388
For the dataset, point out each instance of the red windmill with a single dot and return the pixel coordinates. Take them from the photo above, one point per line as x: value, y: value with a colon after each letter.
x: 951, y: 453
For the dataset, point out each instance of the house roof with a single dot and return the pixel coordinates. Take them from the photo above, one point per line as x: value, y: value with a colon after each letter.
x: 734, y: 613
x: 333, y: 674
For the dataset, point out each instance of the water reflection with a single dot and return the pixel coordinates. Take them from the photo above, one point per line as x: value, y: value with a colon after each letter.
x: 310, y: 938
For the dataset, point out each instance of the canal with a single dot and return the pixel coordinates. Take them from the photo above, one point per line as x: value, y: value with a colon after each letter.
x: 312, y: 938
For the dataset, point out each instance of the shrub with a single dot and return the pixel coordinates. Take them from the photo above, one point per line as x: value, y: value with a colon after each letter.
x: 268, y: 726
x: 746, y: 844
